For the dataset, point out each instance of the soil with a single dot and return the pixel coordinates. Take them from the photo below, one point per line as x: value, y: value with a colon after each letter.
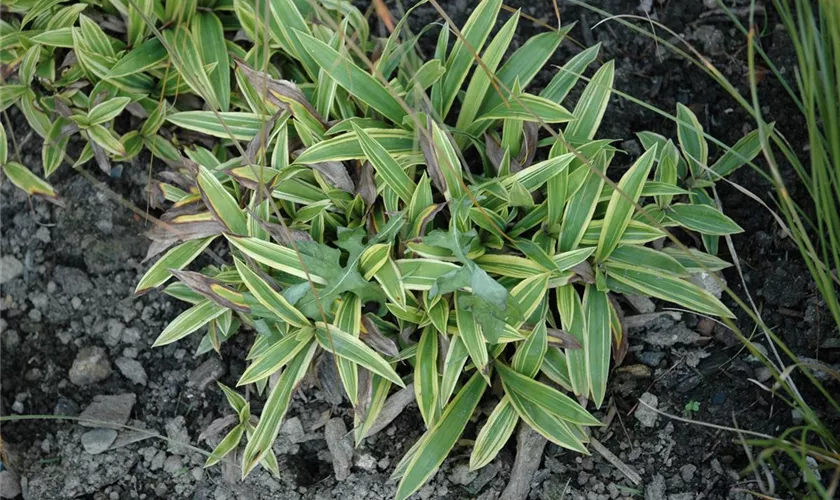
x: 69, y: 274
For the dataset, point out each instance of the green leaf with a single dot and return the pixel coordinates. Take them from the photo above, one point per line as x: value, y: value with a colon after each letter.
x: 325, y: 261
x: 268, y: 297
x: 494, y: 434
x: 261, y: 440
x: 448, y: 162
x: 529, y: 355
x: 352, y: 78
x: 703, y: 219
x: 439, y: 440
x: 567, y: 260
x: 667, y: 170
x: 189, y: 321
x: 144, y: 57
x: 36, y: 9
x: 54, y: 148
x: 223, y: 205
x: 4, y: 146
x: 509, y: 265
x: 566, y: 77
x: 29, y: 182
x: 176, y: 258
x: 387, y: 168
x: 389, y: 277
x: 592, y: 103
x: 242, y: 126
x: 473, y: 35
x: 287, y: 25
x: 107, y: 110
x: 210, y: 38
x: 529, y: 108
x: 744, y: 151
x: 636, y: 233
x: 529, y: 294
x: 277, y: 356
x: 189, y: 64
x: 471, y: 336
x: 234, y: 399
x: 10, y: 94
x: 225, y: 446
x: 453, y: 366
x: 622, y: 204
x: 538, y: 174
x: 556, y: 367
x: 422, y: 274
x: 62, y: 37
x: 347, y: 146
x: 695, y: 261
x: 574, y: 321
x: 598, y: 341
x: 524, y: 64
x: 105, y: 138
x: 581, y: 207
x: 37, y: 119
x: 346, y: 346
x: 544, y: 396
x: 635, y: 255
x: 665, y: 287
x: 481, y: 79
x: 550, y: 426
x: 426, y: 380
x: 348, y: 318
x: 692, y: 142
x: 136, y: 22
x: 274, y: 256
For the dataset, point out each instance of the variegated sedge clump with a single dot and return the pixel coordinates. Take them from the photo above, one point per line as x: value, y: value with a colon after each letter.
x: 372, y: 228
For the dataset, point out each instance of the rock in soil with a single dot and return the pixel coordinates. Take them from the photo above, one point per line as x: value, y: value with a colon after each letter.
x: 10, y: 268
x: 132, y: 370
x: 90, y: 366
x: 9, y: 484
x: 645, y: 415
x: 176, y: 430
x: 656, y: 489
x: 341, y: 447
x: 98, y: 440
x: 461, y: 474
x: 104, y: 409
x: 173, y: 464
x: 207, y: 373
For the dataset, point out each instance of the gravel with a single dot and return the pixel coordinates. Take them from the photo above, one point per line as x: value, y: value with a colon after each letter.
x: 176, y: 430
x: 656, y: 489
x: 10, y: 268
x: 90, y: 366
x: 114, y: 409
x: 646, y: 416
x: 173, y: 465
x: 98, y: 440
x: 9, y: 484
x: 207, y: 373
x: 461, y: 474
x: 72, y: 280
x: 132, y: 370
x: 687, y: 472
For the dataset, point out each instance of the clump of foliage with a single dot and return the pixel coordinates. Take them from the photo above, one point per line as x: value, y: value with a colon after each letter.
x: 387, y: 219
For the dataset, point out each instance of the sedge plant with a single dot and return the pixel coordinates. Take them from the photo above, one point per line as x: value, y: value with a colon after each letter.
x: 403, y: 221
x: 811, y: 221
